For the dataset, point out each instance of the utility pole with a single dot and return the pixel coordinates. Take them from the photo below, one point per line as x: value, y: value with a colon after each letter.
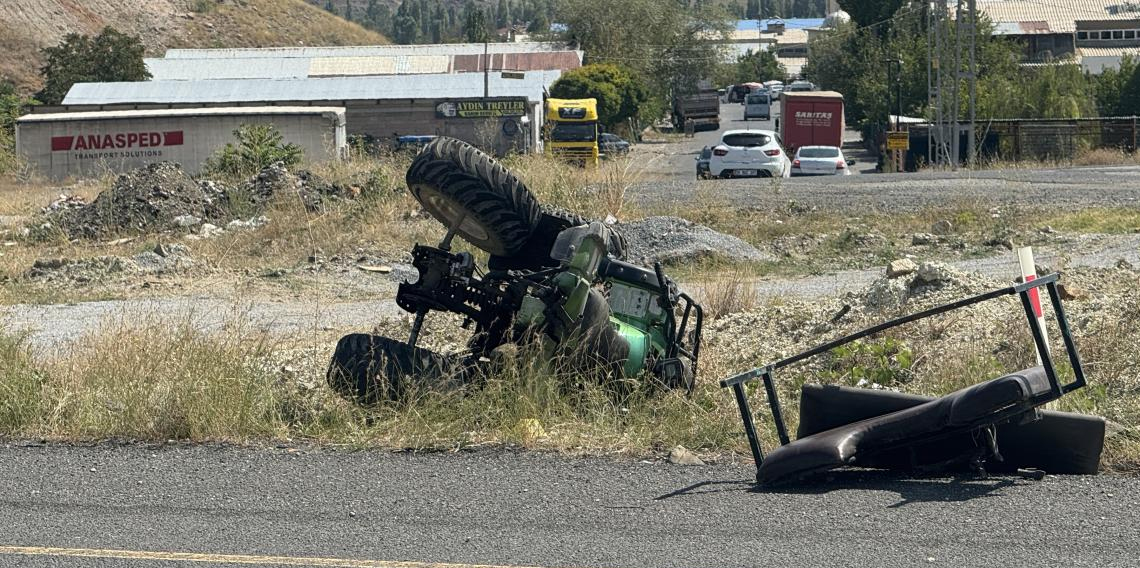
x: 972, y: 73
x: 930, y: 94
x: 897, y: 155
x: 956, y: 77
x: 486, y: 70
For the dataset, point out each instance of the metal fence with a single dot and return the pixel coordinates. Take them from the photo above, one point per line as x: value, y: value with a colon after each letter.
x: 1035, y: 139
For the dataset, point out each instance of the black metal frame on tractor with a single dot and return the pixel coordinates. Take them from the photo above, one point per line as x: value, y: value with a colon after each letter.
x: 1024, y: 290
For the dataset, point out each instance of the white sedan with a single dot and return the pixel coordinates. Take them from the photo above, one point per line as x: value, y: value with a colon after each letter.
x: 820, y: 161
x: 749, y: 153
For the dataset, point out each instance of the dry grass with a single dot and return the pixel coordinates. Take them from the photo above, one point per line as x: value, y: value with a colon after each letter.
x: 273, y: 23
x: 241, y: 385
x: 730, y: 294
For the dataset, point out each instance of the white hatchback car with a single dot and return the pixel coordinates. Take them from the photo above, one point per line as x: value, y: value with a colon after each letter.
x: 749, y: 153
x: 820, y: 161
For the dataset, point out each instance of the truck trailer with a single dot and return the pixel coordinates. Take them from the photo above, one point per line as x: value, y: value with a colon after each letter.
x: 811, y: 118
x: 700, y: 110
x: 60, y: 145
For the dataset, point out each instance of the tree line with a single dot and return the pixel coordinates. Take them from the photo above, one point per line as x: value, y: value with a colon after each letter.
x: 851, y: 60
x: 424, y: 21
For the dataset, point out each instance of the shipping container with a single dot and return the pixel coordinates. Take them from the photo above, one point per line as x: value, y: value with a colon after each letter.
x: 812, y: 118
x: 60, y: 145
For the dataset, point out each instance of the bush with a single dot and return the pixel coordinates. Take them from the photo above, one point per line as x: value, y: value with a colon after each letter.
x: 257, y: 146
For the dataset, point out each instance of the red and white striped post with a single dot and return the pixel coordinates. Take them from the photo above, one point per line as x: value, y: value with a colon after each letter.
x: 1029, y: 274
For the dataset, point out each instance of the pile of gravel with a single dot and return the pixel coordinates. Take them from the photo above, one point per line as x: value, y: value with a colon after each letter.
x: 673, y: 240
x: 145, y: 200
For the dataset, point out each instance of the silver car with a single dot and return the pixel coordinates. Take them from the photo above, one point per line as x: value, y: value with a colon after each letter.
x: 820, y: 161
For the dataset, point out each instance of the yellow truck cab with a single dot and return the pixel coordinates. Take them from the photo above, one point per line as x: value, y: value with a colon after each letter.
x: 572, y: 130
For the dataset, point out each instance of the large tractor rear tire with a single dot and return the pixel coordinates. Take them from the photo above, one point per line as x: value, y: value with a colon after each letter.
x: 469, y: 191
x: 370, y: 368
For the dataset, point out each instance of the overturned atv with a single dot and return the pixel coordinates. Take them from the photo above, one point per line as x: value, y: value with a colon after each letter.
x: 552, y: 278
x: 997, y: 423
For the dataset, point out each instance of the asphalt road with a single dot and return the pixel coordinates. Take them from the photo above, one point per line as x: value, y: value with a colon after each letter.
x: 678, y: 159
x: 526, y: 509
x: 668, y: 178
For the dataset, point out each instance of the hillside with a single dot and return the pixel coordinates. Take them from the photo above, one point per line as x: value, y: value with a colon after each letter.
x: 28, y: 25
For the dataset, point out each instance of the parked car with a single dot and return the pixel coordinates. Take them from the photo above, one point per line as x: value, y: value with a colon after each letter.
x: 758, y: 105
x: 703, y: 163
x: 612, y: 145
x: 820, y: 161
x: 776, y: 91
x: 413, y: 142
x: 800, y: 87
x: 749, y: 153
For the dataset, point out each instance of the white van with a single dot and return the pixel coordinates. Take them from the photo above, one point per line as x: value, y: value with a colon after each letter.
x: 758, y: 105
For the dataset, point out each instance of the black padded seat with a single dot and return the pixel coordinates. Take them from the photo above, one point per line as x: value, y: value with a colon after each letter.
x: 967, y: 409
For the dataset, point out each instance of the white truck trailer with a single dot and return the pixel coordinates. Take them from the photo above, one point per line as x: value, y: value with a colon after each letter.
x: 60, y: 145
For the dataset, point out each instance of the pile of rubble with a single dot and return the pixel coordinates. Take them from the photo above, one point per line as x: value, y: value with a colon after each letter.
x: 905, y: 281
x: 146, y: 200
x: 161, y: 198
x: 162, y: 260
x: 276, y: 180
x: 673, y: 240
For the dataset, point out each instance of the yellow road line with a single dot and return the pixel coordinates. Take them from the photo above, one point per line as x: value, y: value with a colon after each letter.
x: 228, y: 558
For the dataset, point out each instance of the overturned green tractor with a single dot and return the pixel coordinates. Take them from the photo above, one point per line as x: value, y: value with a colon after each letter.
x: 552, y: 280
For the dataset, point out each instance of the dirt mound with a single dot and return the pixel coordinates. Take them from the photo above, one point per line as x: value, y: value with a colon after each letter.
x: 148, y: 200
x: 673, y: 240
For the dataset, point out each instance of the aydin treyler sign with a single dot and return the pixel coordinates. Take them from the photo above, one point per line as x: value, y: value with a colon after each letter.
x: 481, y: 108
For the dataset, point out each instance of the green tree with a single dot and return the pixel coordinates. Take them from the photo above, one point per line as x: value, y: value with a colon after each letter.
x: 503, y: 14
x: 667, y: 46
x: 872, y: 12
x: 108, y: 57
x: 619, y: 93
x: 752, y: 67
x: 1110, y: 87
x: 378, y: 16
x: 405, y: 28
x: 12, y: 105
x: 329, y: 7
x: 752, y: 11
x: 1129, y: 101
x: 475, y: 23
x: 348, y: 10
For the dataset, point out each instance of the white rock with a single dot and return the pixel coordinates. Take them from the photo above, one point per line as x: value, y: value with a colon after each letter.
x: 901, y: 267
x: 209, y: 231
x: 682, y: 456
x: 186, y: 220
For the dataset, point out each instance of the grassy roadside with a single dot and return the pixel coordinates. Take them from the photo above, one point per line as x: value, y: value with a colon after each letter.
x: 241, y: 385
x: 159, y: 380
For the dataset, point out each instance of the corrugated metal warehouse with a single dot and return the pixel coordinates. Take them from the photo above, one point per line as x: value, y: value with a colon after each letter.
x: 372, y: 50
x: 82, y: 143
x: 382, y: 107
x: 354, y: 66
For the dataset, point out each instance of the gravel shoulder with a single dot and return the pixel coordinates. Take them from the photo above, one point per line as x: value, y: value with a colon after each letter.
x: 54, y: 326
x: 907, y: 193
x: 507, y: 508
